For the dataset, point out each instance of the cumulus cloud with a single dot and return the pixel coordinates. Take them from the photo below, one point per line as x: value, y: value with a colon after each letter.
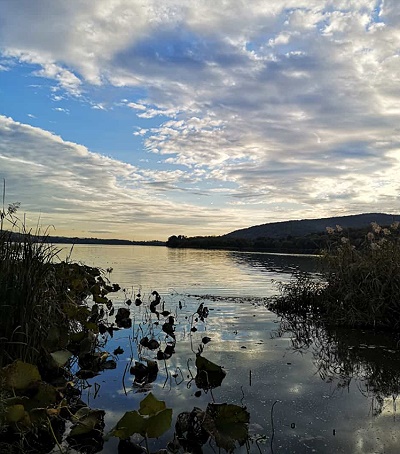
x: 290, y: 107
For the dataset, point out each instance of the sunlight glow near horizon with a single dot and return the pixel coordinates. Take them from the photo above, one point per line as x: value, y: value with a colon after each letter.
x: 121, y: 119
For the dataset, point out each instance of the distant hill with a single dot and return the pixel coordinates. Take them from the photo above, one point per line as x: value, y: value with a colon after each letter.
x: 303, y: 227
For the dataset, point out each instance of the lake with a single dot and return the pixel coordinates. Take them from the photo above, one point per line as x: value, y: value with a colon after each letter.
x: 306, y: 389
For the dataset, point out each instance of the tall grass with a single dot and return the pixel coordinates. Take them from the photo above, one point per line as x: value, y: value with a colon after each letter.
x: 28, y: 307
x: 360, y: 284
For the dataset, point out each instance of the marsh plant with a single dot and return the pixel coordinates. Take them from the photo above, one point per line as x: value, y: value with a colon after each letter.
x: 27, y: 306
x: 42, y: 299
x: 359, y: 283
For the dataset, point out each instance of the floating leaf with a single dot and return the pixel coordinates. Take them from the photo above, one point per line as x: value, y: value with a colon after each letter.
x: 128, y: 447
x: 158, y: 424
x: 169, y: 329
x: 15, y: 413
x: 44, y: 396
x: 19, y: 375
x: 209, y: 375
x: 110, y: 364
x: 84, y: 374
x: 150, y: 405
x: 61, y: 357
x: 227, y: 423
x: 92, y: 326
x: 118, y: 351
x: 100, y: 299
x: 152, y: 420
x: 129, y: 424
x: 88, y: 419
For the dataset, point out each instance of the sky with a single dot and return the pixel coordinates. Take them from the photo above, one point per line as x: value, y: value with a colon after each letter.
x: 145, y: 119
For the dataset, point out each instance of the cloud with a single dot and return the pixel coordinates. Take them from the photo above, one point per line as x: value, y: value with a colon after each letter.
x: 290, y: 106
x: 66, y: 184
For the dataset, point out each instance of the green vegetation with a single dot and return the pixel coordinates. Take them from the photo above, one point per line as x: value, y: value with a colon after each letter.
x: 311, y: 243
x: 359, y: 284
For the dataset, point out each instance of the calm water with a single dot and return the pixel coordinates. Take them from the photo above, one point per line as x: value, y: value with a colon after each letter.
x: 307, y: 390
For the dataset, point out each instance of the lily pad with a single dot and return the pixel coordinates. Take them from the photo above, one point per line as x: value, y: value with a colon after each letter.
x: 152, y: 420
x: 227, y: 424
x: 42, y: 395
x: 150, y: 405
x: 129, y: 424
x: 86, y: 420
x: 61, y: 357
x: 15, y: 413
x: 19, y: 375
x: 158, y: 424
x: 209, y: 375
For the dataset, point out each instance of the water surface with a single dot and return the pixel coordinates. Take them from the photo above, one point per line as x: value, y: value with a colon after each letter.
x: 307, y: 389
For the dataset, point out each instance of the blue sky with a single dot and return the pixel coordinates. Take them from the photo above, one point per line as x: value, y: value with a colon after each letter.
x: 141, y: 120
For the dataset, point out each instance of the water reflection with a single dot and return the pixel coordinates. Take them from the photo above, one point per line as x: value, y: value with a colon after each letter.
x: 276, y: 263
x: 371, y: 359
x: 223, y: 273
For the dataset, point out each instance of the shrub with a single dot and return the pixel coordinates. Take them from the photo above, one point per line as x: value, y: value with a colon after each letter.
x: 359, y: 286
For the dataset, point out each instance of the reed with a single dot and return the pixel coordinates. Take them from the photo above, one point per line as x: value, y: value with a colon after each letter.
x: 359, y: 283
x: 28, y: 304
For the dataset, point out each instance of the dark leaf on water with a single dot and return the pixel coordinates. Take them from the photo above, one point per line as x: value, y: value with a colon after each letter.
x: 209, y: 375
x: 84, y: 374
x: 169, y: 329
x: 109, y: 364
x: 152, y: 420
x: 124, y: 323
x: 169, y: 349
x: 144, y: 373
x: 128, y: 302
x: 161, y: 355
x: 138, y: 302
x: 144, y: 341
x: 122, y: 318
x: 157, y: 298
x: 193, y: 329
x: 122, y: 313
x: 126, y: 446
x: 87, y: 420
x: 118, y: 351
x: 227, y: 424
x: 206, y: 340
x: 189, y: 432
x: 153, y: 344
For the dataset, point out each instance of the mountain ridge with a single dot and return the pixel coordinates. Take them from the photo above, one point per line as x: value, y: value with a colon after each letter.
x: 301, y: 227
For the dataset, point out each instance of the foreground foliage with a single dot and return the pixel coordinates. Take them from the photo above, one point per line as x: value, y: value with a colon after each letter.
x: 359, y: 283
